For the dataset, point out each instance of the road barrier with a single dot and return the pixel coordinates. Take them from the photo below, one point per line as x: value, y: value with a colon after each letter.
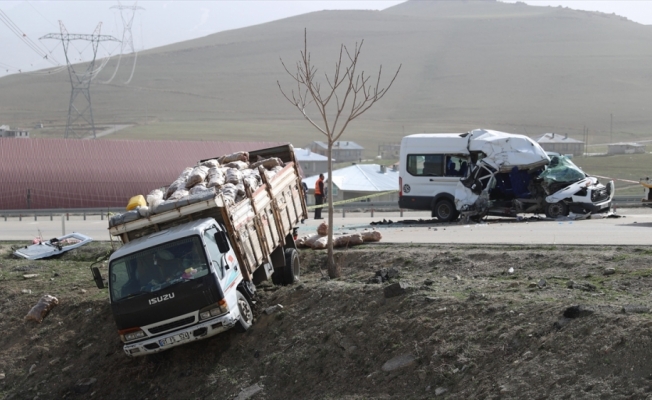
x: 343, y: 206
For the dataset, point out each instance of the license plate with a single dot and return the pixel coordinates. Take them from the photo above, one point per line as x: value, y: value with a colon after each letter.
x: 174, y: 339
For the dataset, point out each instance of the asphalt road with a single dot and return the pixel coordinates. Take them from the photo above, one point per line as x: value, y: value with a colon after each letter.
x: 630, y: 229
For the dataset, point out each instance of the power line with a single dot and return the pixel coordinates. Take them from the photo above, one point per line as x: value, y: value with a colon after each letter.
x: 26, y: 39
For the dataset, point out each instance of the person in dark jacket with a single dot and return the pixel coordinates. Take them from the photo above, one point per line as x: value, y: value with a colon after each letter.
x: 319, y: 195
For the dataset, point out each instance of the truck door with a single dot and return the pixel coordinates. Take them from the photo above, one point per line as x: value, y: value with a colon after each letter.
x: 225, y: 265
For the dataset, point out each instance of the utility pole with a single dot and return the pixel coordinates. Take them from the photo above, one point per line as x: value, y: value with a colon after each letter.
x: 80, y: 82
x: 611, y: 128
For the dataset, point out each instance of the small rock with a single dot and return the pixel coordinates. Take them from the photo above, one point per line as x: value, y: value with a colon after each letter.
x: 64, y: 369
x: 31, y: 369
x: 30, y: 276
x: 249, y: 392
x: 395, y: 289
x: 562, y: 322
x: 609, y: 271
x: 55, y: 275
x: 577, y: 312
x: 26, y: 291
x: 587, y: 287
x: 2, y: 376
x: 393, y: 273
x: 428, y: 282
x: 422, y: 375
x: 375, y: 280
x: 635, y: 309
x: 532, y: 285
x: 514, y: 284
x: 273, y: 309
x: 82, y: 291
x: 83, y: 385
x: 397, y: 362
x: 511, y: 270
x: 54, y: 361
x: 542, y: 283
x: 430, y: 298
x: 382, y: 274
x: 440, y: 390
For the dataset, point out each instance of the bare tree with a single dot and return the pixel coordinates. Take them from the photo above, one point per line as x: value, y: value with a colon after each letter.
x: 337, y: 100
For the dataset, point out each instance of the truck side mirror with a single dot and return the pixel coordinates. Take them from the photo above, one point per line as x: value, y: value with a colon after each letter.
x: 222, y: 241
x: 97, y: 277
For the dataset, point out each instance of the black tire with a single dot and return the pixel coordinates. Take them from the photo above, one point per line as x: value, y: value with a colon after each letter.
x: 246, y: 313
x: 277, y: 276
x: 556, y: 210
x: 292, y: 269
x: 445, y: 211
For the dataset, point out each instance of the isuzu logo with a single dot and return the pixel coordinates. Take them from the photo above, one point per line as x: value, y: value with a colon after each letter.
x: 161, y: 298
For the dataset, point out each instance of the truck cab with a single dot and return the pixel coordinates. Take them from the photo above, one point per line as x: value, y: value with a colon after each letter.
x: 177, y: 285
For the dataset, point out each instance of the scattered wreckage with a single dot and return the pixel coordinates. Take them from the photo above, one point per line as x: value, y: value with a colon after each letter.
x: 484, y: 172
x: 53, y: 247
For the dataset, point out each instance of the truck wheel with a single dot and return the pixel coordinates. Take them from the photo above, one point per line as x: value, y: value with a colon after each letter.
x: 445, y: 211
x: 277, y: 276
x: 556, y: 210
x: 291, y: 271
x: 246, y: 313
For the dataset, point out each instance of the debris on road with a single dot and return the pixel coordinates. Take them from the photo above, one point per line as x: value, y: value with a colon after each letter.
x: 320, y: 241
x: 53, y: 247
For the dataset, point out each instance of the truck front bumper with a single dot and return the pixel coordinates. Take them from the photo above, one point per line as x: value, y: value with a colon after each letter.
x: 181, y: 336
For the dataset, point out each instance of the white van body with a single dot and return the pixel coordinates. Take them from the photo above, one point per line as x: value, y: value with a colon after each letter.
x: 489, y: 172
x: 424, y: 189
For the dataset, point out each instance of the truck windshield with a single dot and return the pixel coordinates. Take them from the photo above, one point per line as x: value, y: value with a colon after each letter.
x: 157, y: 267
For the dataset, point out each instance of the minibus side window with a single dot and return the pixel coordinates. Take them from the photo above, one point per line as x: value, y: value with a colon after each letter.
x: 425, y: 164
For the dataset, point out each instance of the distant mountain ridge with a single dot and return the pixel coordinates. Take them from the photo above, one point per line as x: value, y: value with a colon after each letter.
x: 465, y: 64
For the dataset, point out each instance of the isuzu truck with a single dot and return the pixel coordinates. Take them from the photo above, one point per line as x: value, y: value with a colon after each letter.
x: 189, y: 270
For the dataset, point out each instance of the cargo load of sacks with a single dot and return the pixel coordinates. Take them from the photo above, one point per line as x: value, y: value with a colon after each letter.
x: 320, y: 240
x: 227, y: 175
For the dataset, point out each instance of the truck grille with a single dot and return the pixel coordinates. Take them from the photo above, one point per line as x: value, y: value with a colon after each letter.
x: 599, y: 195
x: 172, y: 325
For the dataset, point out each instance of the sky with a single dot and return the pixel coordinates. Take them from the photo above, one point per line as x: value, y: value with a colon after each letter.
x: 158, y: 23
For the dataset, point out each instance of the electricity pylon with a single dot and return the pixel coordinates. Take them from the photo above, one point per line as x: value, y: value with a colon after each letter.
x: 80, y: 82
x: 127, y: 38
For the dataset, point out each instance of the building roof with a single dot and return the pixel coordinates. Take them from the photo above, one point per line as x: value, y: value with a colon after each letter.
x: 307, y: 155
x: 72, y: 173
x: 340, y: 145
x: 361, y: 178
x: 555, y: 138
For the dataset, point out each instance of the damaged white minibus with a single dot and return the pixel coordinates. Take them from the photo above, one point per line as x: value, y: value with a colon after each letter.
x: 484, y: 172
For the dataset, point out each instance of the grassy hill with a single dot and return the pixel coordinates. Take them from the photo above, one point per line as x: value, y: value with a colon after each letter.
x: 465, y: 64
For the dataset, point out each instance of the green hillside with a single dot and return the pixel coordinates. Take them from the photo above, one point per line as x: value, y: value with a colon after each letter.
x: 465, y: 64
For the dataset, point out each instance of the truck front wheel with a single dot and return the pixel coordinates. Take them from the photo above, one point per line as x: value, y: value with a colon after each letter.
x: 556, y: 210
x: 291, y: 271
x: 246, y: 313
x: 445, y: 211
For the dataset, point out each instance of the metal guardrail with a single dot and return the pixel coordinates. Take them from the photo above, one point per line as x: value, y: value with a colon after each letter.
x: 366, y: 206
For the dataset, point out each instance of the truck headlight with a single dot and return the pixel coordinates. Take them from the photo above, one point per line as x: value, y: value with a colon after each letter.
x: 131, y: 334
x: 214, y: 310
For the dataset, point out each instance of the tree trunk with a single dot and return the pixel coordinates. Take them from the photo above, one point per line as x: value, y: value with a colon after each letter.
x: 334, y: 270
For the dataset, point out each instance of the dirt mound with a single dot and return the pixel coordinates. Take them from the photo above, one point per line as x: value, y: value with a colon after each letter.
x: 451, y: 321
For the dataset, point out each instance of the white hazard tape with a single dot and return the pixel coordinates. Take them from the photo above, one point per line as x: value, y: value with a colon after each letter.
x: 337, y: 203
x: 616, y: 179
